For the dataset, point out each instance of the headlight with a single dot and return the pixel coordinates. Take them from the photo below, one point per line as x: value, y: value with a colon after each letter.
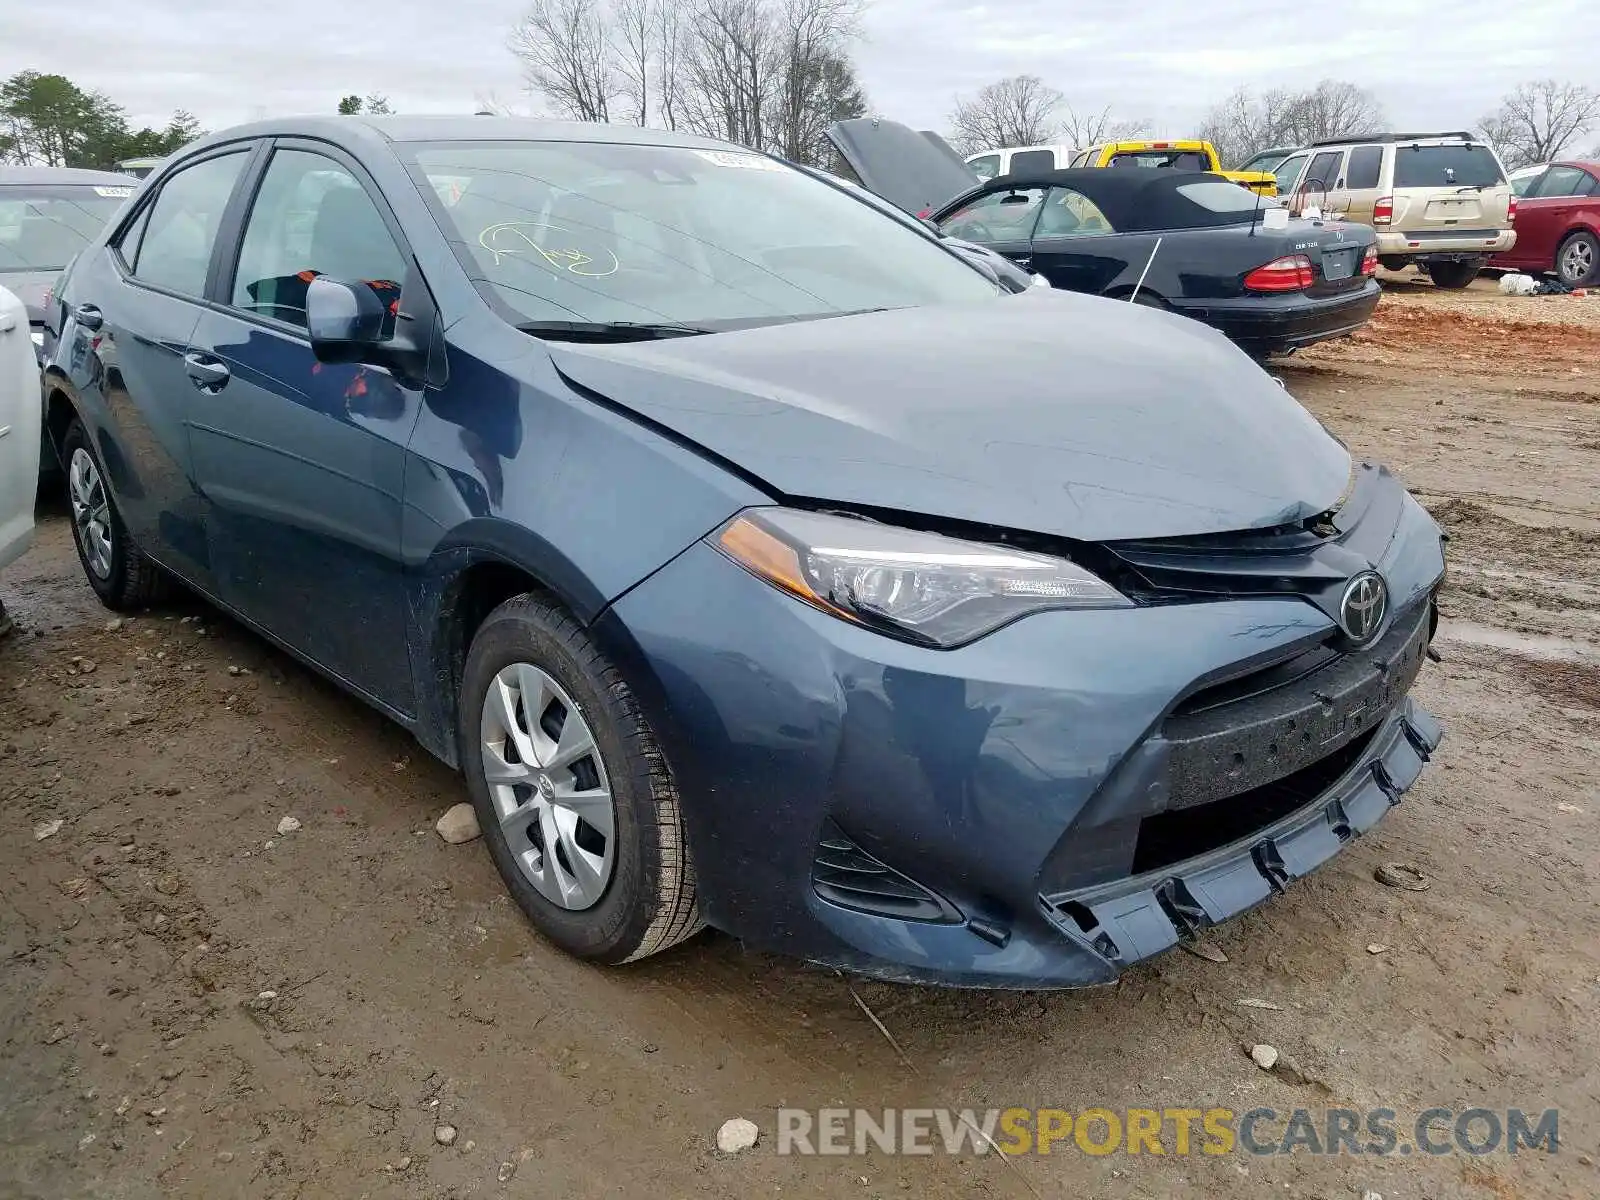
x: 922, y: 587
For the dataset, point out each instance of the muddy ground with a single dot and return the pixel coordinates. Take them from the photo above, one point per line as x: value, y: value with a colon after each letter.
x: 141, y: 1056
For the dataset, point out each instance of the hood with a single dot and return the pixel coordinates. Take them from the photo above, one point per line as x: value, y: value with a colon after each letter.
x: 1046, y: 411
x: 29, y: 287
x: 914, y: 171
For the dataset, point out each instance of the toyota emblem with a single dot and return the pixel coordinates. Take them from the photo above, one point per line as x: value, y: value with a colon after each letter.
x: 1363, y: 606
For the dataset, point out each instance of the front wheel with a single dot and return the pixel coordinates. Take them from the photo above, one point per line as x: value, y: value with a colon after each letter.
x: 1578, y: 260
x: 574, y: 797
x: 119, y: 572
x: 1452, y: 275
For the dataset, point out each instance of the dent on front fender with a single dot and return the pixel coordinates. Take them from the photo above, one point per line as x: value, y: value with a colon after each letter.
x: 507, y: 465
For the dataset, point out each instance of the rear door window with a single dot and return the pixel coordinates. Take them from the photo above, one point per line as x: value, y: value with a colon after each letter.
x: 1032, y: 160
x: 1446, y: 166
x: 1069, y: 213
x: 1366, y: 163
x: 175, y: 251
x: 1562, y: 181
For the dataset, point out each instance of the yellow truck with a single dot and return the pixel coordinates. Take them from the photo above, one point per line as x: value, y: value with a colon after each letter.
x: 1173, y: 155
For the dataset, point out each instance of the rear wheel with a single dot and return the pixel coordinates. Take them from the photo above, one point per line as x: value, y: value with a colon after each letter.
x: 1452, y: 275
x: 1578, y: 260
x: 119, y: 572
x: 572, y: 793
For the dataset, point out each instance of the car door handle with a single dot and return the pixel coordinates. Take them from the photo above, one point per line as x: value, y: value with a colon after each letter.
x: 88, y: 316
x: 209, y: 375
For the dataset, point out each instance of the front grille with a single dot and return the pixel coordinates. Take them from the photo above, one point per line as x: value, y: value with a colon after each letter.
x: 844, y: 874
x: 1296, y: 665
x: 1179, y: 834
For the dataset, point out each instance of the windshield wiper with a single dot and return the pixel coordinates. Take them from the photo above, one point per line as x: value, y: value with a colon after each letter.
x: 608, y: 331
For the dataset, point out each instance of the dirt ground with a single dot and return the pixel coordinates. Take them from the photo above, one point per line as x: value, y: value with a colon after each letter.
x: 195, y: 1005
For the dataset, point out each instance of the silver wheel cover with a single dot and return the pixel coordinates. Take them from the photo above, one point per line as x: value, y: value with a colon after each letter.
x: 549, y: 787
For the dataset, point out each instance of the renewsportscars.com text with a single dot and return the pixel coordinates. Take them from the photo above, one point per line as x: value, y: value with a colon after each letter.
x: 1168, y: 1131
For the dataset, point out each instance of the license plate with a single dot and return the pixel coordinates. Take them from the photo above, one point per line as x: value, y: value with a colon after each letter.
x: 1338, y: 264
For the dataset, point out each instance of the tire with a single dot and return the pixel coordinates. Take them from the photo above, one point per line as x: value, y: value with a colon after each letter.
x: 1452, y: 276
x: 1578, y: 260
x: 639, y: 898
x: 121, y: 574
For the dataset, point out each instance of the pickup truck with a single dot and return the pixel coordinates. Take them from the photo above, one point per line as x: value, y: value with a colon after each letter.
x: 1174, y: 155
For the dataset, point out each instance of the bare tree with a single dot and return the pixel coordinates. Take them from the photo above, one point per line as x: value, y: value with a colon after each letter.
x: 1539, y: 120
x: 1333, y: 109
x: 770, y: 74
x: 668, y: 32
x: 1243, y: 125
x: 567, y: 56
x: 636, y: 54
x: 1018, y: 111
x: 1081, y: 130
x: 816, y: 84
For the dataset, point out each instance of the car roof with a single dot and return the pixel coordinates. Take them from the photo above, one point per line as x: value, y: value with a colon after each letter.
x: 460, y: 129
x: 1398, y: 137
x: 1133, y: 201
x: 1590, y: 165
x: 59, y: 176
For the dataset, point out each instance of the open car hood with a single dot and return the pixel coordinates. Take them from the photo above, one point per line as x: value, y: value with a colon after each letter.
x: 1060, y: 414
x: 914, y: 171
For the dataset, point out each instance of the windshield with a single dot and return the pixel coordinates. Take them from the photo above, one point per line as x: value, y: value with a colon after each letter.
x: 1446, y: 166
x: 612, y: 233
x: 1267, y: 160
x: 42, y: 228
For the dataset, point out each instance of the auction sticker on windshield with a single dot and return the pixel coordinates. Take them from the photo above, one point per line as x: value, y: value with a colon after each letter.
x: 744, y: 162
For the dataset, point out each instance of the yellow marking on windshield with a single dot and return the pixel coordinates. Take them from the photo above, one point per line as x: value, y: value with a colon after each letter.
x: 572, y: 260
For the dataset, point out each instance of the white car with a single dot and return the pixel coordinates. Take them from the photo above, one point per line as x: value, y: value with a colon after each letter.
x: 19, y: 432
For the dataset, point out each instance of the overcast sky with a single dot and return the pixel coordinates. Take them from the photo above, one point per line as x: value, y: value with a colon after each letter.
x: 1433, y: 65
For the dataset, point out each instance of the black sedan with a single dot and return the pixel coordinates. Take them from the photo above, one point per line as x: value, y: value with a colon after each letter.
x: 1188, y: 241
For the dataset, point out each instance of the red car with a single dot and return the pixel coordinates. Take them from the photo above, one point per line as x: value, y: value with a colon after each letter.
x: 1558, y: 225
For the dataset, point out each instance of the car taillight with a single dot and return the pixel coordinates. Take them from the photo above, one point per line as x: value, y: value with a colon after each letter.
x: 1511, y: 212
x: 1383, y: 211
x: 1291, y: 273
x: 1369, y: 261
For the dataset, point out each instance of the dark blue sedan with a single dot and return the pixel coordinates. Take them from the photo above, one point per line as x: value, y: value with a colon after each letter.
x: 759, y: 560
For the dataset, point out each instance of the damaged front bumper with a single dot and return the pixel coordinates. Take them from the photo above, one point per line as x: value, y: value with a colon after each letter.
x: 1053, y: 802
x: 1131, y: 919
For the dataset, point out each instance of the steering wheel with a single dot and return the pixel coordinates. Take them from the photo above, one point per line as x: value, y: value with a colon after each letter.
x: 973, y: 230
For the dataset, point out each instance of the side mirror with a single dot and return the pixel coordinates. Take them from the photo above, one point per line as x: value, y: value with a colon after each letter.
x: 347, y: 322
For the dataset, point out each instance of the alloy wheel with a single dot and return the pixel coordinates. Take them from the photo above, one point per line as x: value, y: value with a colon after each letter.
x: 549, y: 787
x: 91, y: 512
x: 1577, y: 260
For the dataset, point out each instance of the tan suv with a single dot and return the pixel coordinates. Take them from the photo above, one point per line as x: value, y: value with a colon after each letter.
x: 1439, y: 200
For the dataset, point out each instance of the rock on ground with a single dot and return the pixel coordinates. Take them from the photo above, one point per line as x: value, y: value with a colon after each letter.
x: 737, y: 1136
x: 459, y: 824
